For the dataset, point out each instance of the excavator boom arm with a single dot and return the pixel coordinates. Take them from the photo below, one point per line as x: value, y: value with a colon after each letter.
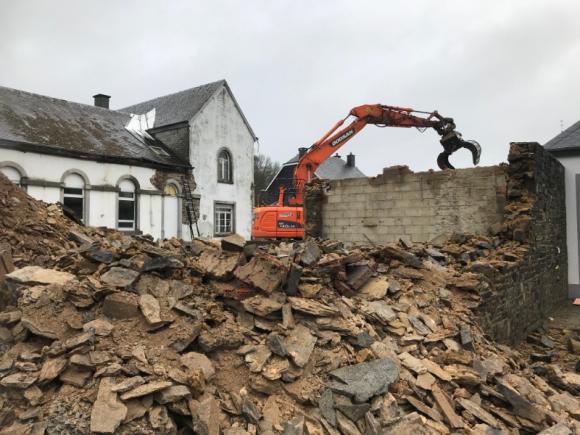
x: 385, y: 116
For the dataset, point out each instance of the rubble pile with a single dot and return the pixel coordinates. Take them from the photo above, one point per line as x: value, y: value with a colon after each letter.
x: 110, y: 333
x: 37, y: 232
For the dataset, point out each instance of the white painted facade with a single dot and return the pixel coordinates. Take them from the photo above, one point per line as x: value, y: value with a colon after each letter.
x: 220, y: 125
x: 104, y: 188
x: 572, y: 171
x: 157, y: 214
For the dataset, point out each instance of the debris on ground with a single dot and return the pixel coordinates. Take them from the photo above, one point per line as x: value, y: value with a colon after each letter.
x: 102, y: 332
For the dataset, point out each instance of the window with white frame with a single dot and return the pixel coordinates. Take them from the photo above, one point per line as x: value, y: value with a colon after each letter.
x: 223, y: 219
x: 73, y: 196
x: 127, y: 206
x: 225, y: 167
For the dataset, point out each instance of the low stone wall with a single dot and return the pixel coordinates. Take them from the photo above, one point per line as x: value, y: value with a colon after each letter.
x: 415, y: 207
x: 521, y: 297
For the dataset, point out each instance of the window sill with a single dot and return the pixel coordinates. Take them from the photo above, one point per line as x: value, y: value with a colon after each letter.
x: 223, y: 234
x: 225, y: 182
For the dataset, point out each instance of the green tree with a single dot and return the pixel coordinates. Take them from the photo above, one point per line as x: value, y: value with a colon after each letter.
x: 265, y: 169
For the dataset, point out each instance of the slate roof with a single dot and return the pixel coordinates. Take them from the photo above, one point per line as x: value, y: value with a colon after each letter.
x: 334, y: 168
x: 568, y: 140
x: 52, y: 126
x: 178, y: 107
x: 182, y: 106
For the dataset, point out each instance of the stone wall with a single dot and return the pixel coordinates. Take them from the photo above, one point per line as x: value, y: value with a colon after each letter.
x: 519, y: 298
x: 415, y: 207
x: 522, y: 203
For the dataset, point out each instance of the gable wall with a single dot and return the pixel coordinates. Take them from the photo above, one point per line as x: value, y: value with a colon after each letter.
x: 219, y: 124
x: 572, y: 183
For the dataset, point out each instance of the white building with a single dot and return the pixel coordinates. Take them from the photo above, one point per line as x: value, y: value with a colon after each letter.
x: 126, y: 168
x: 566, y: 148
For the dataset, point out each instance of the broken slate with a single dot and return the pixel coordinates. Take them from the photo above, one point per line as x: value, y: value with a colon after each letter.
x: 205, y: 416
x: 172, y: 394
x: 261, y: 306
x: 108, y: 413
x: 300, y: 344
x: 364, y: 380
x: 120, y: 306
x: 119, y: 277
x: 19, y: 380
x: 312, y: 307
x: 162, y: 264
x: 38, y: 275
x: 150, y: 308
x: 275, y: 343
x: 143, y: 390
x: 374, y: 289
x: 263, y: 271
x: 194, y: 360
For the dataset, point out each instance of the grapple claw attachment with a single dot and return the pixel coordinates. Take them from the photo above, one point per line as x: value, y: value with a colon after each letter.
x: 451, y: 143
x: 443, y: 161
x: 475, y: 149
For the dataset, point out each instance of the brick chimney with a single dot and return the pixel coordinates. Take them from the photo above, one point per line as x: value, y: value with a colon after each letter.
x: 102, y: 100
x: 350, y: 160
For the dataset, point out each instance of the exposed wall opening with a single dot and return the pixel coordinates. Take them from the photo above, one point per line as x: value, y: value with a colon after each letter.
x: 171, y: 227
x: 127, y: 206
x: 73, y: 196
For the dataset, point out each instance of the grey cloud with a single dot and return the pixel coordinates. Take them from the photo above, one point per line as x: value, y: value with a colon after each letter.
x: 504, y: 70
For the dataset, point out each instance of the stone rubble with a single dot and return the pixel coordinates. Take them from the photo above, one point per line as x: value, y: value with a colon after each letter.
x: 116, y: 334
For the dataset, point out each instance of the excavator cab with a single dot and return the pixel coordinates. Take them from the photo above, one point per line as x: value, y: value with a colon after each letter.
x: 278, y: 222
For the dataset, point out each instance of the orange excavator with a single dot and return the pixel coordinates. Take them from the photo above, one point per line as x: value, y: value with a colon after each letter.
x: 287, y: 221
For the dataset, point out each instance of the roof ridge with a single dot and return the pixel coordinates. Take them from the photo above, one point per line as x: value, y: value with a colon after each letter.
x: 552, y: 144
x: 92, y: 106
x: 171, y: 94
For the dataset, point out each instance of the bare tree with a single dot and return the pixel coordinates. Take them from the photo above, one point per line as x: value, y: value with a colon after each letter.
x: 265, y: 169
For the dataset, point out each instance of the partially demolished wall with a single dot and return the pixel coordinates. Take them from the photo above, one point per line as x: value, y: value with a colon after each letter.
x: 415, y: 207
x: 521, y: 296
x: 521, y: 203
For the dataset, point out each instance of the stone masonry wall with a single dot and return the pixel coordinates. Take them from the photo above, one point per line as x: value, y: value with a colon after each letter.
x: 519, y: 298
x: 415, y: 207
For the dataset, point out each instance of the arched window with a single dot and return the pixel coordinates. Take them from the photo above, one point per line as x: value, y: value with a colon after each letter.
x: 127, y: 207
x: 225, y: 167
x: 170, y: 189
x: 13, y: 174
x: 74, y: 195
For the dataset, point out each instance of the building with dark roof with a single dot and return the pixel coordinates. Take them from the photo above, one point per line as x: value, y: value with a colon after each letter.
x: 566, y: 148
x: 126, y: 168
x: 334, y: 168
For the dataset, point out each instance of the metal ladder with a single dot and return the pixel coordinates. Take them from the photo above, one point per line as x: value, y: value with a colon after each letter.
x: 189, y: 206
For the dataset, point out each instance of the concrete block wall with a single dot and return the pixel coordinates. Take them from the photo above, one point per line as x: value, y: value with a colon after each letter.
x: 415, y: 207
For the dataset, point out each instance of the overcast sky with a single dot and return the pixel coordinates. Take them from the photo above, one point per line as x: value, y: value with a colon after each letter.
x: 505, y: 70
